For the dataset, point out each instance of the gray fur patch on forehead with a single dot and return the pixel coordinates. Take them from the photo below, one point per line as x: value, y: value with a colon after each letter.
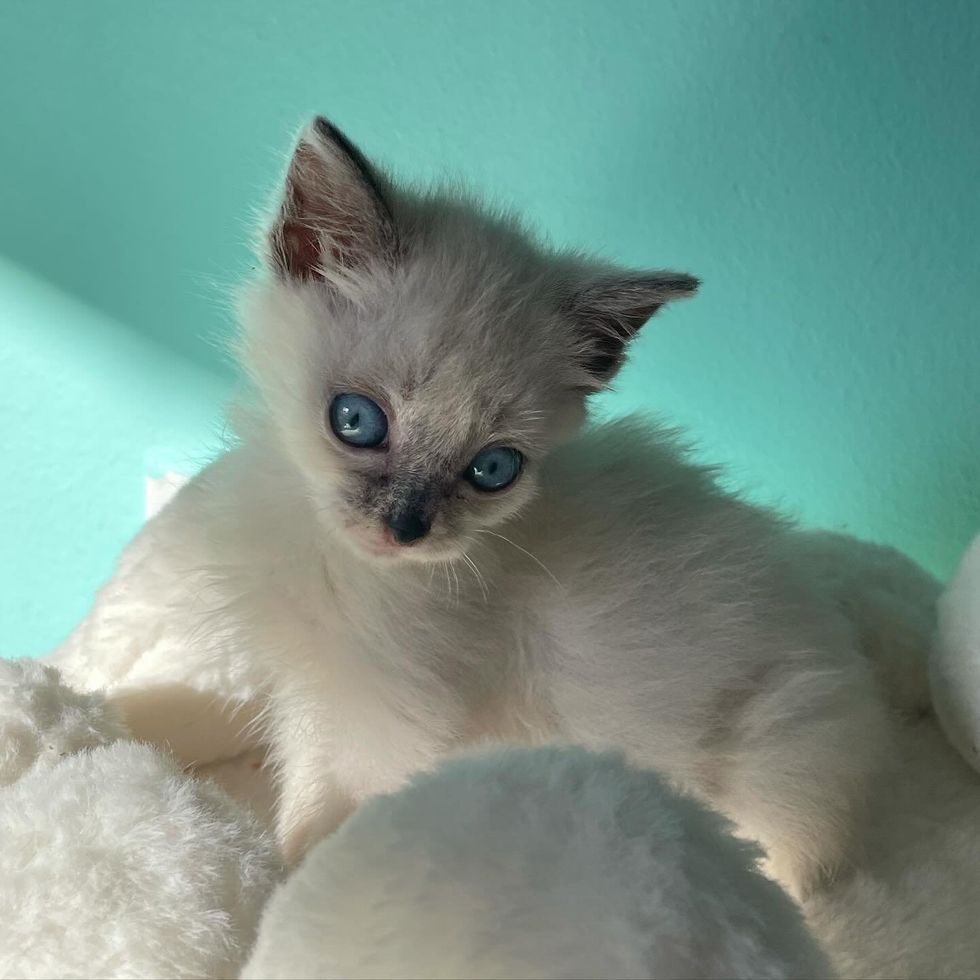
x: 471, y: 289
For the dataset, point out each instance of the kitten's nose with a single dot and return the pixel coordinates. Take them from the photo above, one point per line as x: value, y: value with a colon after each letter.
x: 408, y: 526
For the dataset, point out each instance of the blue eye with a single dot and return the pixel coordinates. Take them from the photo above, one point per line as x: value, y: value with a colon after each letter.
x: 495, y: 468
x: 358, y: 421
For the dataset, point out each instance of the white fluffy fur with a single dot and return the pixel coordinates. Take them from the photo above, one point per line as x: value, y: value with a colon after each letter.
x: 42, y: 720
x: 907, y: 909
x: 615, y: 596
x: 711, y: 657
x: 533, y: 863
x: 114, y: 863
x: 955, y: 663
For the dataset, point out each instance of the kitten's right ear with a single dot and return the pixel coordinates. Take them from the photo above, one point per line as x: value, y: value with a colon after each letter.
x: 609, y: 311
x: 333, y: 215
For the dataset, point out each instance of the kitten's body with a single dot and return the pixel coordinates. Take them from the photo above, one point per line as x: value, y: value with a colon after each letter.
x: 616, y: 596
x: 671, y: 621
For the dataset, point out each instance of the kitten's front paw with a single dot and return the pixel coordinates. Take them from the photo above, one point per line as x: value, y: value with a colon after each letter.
x: 297, y: 834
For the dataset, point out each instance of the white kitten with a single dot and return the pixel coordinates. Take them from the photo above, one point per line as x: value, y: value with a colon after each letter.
x: 414, y: 549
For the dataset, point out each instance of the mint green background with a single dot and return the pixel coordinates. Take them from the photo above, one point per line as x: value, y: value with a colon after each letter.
x: 818, y: 163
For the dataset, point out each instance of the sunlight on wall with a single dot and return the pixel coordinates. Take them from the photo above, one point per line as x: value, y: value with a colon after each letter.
x: 88, y: 410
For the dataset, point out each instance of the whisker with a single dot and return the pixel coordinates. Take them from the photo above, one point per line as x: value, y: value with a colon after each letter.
x: 449, y: 584
x: 452, y: 568
x: 481, y: 581
x: 537, y: 561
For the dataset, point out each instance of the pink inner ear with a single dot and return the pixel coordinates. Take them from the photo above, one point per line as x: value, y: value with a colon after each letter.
x: 300, y: 246
x: 297, y: 237
x: 308, y: 224
x: 330, y: 217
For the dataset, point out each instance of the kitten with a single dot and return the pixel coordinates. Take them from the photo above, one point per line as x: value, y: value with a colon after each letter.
x: 416, y: 546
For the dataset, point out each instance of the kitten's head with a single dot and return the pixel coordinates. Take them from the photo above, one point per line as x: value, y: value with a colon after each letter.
x: 418, y: 356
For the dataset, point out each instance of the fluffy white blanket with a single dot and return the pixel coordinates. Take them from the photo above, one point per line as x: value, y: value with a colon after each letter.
x: 114, y: 863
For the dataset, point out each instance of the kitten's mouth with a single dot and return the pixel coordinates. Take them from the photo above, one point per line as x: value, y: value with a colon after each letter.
x: 375, y: 542
x: 377, y: 545
x: 381, y: 543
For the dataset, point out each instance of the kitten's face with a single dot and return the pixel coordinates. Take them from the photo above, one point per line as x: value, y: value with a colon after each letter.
x: 418, y: 358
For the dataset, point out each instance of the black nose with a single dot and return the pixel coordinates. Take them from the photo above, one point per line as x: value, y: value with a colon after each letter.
x: 408, y: 526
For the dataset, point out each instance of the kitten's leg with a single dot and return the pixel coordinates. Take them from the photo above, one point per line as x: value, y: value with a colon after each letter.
x: 302, y: 739
x: 311, y: 802
x: 161, y: 640
x: 145, y: 643
x: 331, y: 754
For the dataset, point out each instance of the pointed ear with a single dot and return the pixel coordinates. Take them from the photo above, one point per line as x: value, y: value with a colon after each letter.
x: 609, y: 311
x: 333, y: 215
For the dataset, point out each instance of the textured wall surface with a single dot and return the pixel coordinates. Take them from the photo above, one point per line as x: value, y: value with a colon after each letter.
x: 87, y: 409
x: 816, y: 162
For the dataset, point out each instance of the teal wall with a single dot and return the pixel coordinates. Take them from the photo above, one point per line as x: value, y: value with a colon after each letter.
x: 818, y: 163
x: 87, y: 408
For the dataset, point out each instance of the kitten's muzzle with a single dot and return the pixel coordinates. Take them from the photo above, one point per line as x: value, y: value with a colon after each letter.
x: 407, y: 526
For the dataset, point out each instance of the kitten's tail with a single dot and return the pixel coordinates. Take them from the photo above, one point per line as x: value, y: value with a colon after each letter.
x: 954, y: 666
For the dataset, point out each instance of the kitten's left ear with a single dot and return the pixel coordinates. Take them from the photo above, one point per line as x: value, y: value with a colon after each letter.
x: 333, y: 216
x: 609, y: 311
